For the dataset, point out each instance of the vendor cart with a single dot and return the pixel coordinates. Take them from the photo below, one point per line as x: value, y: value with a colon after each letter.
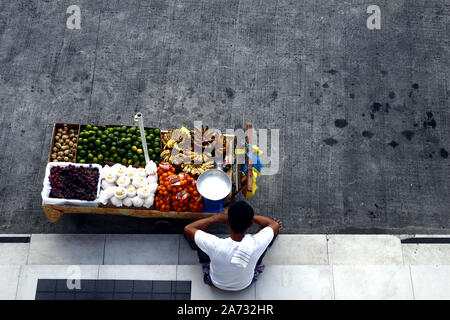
x: 55, y: 212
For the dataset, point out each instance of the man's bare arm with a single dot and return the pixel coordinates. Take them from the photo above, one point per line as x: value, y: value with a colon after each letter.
x: 267, y: 222
x: 202, y: 224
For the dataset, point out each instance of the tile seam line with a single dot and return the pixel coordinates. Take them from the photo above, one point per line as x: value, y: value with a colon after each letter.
x: 412, y: 283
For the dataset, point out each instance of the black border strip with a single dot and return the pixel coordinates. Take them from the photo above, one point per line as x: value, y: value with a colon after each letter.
x: 14, y: 239
x: 426, y: 240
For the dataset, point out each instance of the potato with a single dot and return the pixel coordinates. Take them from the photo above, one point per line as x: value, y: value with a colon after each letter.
x: 59, y: 130
x: 71, y: 144
x: 55, y: 149
x: 66, y: 159
x: 66, y: 152
x: 59, y: 158
x: 60, y: 153
x: 54, y: 155
x: 74, y: 140
x: 64, y: 137
x: 58, y: 145
x: 61, y: 141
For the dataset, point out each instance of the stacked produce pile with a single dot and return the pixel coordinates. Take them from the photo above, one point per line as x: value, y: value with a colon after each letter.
x: 129, y: 186
x: 117, y: 145
x: 177, y: 192
x: 74, y: 183
x: 65, y: 145
x: 194, y: 151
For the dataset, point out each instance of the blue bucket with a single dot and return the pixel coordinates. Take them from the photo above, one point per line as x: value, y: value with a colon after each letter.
x: 212, y: 205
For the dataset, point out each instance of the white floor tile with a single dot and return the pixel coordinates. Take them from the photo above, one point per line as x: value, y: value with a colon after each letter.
x: 364, y: 250
x: 372, y: 282
x: 295, y: 282
x: 59, y: 249
x: 201, y: 291
x: 14, y: 253
x: 426, y: 253
x: 9, y: 277
x: 431, y: 282
x: 135, y: 272
x: 30, y: 274
x: 298, y: 250
x: 141, y: 249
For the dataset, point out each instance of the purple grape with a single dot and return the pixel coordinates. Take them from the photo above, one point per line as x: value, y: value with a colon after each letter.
x: 73, y: 182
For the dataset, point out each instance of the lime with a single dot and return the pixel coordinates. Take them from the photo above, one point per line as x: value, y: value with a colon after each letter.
x: 129, y: 135
x: 83, y: 153
x: 156, y: 144
x: 79, y: 148
x: 134, y: 137
x: 156, y: 131
x: 91, y: 146
x: 121, y: 151
x: 150, y: 151
x: 120, y: 143
x: 116, y: 133
x: 117, y: 159
x: 95, y: 128
x: 124, y: 161
x: 92, y: 133
x: 151, y: 136
x: 136, y: 143
x: 90, y: 156
x: 95, y: 160
x: 85, y: 141
x: 91, y: 139
x: 123, y: 129
x: 130, y: 161
x: 133, y: 129
x: 104, y: 137
x: 141, y: 158
x: 114, y: 143
x: 134, y: 148
x: 157, y: 139
x: 88, y: 127
x: 98, y: 142
x: 107, y: 153
x: 100, y: 133
x: 135, y: 158
x: 108, y: 141
x: 94, y: 152
x: 139, y: 139
x: 82, y: 161
x: 123, y: 135
x: 103, y: 147
x: 139, y: 151
x: 113, y: 149
x: 100, y: 157
x: 110, y: 135
x: 157, y: 150
x: 154, y: 156
x: 137, y: 163
x: 130, y: 155
x: 143, y: 163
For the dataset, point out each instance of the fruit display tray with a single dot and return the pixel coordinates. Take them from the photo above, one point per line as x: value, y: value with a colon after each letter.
x: 55, y: 212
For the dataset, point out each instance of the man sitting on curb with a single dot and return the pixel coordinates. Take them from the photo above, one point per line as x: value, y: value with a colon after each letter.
x: 235, y: 262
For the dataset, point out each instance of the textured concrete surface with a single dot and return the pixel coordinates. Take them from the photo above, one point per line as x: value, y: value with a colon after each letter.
x: 363, y: 115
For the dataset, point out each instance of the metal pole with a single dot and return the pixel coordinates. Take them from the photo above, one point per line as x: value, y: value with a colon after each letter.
x: 140, y: 120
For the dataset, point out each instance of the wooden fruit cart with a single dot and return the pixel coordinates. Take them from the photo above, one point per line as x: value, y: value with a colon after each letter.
x: 55, y: 212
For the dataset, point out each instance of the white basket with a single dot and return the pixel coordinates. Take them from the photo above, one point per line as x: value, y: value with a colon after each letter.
x: 68, y: 202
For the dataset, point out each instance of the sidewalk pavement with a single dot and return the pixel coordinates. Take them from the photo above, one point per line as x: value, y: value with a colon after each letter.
x: 297, y: 266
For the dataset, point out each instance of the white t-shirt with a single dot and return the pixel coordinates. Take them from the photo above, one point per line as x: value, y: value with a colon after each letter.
x: 225, y: 275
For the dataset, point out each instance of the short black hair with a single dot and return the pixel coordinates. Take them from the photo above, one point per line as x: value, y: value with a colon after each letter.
x: 240, y: 216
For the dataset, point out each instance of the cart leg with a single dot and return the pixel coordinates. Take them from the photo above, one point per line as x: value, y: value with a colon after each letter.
x: 52, y: 214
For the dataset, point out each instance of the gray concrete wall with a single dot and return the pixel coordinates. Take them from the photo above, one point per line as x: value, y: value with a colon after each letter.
x: 300, y: 66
